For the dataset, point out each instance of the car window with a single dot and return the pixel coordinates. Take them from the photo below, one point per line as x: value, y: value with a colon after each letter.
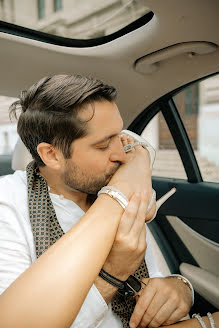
x: 167, y: 162
x: 198, y: 107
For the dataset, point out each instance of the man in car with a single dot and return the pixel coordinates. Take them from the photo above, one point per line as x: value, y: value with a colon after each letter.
x: 71, y: 126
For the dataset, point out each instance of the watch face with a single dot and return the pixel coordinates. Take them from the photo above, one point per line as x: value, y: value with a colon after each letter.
x: 133, y: 283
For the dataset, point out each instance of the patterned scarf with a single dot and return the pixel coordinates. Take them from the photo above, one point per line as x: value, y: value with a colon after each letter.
x: 47, y: 230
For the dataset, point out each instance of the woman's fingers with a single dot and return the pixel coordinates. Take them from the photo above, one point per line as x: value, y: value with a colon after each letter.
x: 130, y: 214
x: 139, y: 223
x: 133, y: 219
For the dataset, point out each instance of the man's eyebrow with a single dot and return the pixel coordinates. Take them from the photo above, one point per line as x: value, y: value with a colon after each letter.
x: 105, y: 139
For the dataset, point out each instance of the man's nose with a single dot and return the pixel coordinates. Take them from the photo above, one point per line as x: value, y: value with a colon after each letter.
x: 118, y: 154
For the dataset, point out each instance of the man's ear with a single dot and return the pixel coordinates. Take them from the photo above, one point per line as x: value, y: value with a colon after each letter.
x: 51, y: 156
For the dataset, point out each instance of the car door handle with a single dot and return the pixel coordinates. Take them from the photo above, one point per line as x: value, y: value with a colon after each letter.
x: 205, y: 283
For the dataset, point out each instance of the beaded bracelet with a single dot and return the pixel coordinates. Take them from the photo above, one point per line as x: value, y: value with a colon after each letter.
x: 200, y: 320
x: 211, y: 320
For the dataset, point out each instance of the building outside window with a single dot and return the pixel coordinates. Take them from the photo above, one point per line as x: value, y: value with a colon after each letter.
x: 57, y: 5
x: 41, y: 9
x: 192, y: 99
x: 188, y: 100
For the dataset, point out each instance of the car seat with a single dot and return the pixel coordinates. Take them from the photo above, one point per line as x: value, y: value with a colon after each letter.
x: 20, y: 157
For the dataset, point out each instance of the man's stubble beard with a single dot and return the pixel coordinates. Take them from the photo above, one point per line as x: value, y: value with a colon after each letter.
x: 75, y: 179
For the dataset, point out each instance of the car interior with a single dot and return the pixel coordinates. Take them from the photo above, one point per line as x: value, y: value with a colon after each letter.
x: 151, y: 62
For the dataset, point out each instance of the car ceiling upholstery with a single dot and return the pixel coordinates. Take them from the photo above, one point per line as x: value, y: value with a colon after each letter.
x: 24, y: 61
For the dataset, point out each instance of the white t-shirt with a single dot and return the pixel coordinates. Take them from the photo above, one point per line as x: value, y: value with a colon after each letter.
x: 17, y: 250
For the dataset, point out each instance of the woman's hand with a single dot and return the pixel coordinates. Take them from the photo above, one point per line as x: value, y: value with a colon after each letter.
x: 129, y: 245
x: 134, y: 175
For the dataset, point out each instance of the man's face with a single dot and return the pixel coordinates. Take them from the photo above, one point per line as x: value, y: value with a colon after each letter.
x: 97, y: 156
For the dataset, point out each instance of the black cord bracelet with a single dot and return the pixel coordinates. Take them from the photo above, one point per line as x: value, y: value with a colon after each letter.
x: 103, y: 274
x: 127, y: 288
x: 110, y: 276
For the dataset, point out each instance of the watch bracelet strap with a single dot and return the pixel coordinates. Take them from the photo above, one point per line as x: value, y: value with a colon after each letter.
x: 123, y: 200
x: 187, y: 282
x: 115, y: 194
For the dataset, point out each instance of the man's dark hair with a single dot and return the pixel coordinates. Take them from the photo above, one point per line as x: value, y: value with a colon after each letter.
x: 49, y: 111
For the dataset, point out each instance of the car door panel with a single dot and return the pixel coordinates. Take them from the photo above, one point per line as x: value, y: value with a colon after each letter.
x: 204, y: 282
x: 196, y: 204
x: 184, y: 241
x: 204, y: 251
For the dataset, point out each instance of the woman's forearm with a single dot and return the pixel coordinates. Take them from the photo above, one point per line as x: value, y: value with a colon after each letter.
x: 194, y: 323
x: 51, y: 292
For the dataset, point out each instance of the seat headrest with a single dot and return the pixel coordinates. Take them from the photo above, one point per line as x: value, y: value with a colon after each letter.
x: 20, y: 157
